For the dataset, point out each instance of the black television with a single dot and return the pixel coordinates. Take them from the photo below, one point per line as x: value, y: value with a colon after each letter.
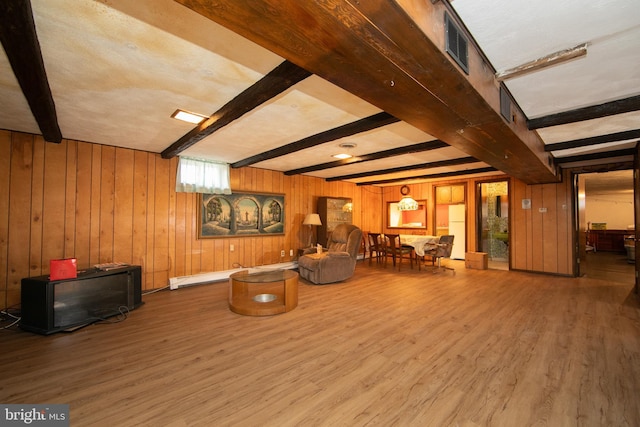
x: 53, y: 306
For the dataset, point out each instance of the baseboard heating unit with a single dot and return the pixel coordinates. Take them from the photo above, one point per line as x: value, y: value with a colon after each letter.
x: 218, y: 276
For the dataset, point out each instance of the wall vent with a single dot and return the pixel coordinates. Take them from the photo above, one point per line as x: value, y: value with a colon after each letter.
x: 505, y: 104
x: 456, y: 43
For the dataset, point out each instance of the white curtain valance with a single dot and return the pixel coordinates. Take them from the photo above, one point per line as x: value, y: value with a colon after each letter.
x: 202, y: 176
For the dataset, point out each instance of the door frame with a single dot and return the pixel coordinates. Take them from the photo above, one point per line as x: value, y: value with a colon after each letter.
x: 580, y: 243
x: 636, y: 213
x: 579, y: 221
x: 478, y: 212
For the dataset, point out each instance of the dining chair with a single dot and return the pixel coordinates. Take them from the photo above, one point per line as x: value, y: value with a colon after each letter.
x: 375, y: 245
x: 363, y: 245
x: 397, y: 251
x: 441, y: 250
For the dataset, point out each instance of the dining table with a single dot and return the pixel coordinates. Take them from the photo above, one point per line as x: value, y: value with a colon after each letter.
x: 419, y: 242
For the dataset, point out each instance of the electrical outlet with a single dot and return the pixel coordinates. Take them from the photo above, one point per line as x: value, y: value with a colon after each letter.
x: 282, y: 253
x: 290, y: 252
x: 232, y: 248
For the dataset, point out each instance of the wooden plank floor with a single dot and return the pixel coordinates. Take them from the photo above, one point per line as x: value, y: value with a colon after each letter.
x: 477, y: 348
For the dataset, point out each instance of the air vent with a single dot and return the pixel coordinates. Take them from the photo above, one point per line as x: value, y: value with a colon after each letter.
x: 505, y: 104
x: 456, y: 43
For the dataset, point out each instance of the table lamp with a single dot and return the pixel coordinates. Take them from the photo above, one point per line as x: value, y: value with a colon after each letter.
x: 311, y: 220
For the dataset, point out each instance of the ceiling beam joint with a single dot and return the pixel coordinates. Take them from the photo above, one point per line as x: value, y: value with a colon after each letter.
x: 278, y: 80
x: 20, y: 41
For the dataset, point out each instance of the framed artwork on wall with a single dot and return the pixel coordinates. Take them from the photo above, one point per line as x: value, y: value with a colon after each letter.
x: 240, y: 214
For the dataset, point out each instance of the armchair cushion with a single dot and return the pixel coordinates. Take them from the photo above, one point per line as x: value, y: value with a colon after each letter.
x: 338, y: 262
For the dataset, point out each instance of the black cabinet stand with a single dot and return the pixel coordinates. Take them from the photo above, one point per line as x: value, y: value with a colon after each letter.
x: 53, y: 306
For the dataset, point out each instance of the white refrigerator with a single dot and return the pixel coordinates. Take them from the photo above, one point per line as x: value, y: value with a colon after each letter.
x: 457, y: 228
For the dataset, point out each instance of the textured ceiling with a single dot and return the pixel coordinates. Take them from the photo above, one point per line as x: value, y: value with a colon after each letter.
x: 118, y: 69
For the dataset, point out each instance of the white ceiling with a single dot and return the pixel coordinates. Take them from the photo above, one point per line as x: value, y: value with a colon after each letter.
x: 118, y: 69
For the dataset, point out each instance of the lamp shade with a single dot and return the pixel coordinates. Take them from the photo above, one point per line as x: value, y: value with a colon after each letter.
x: 312, y: 219
x: 407, y: 204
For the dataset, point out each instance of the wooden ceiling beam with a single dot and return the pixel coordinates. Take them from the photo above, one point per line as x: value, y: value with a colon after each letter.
x: 432, y: 176
x: 431, y: 165
x: 595, y: 156
x: 619, y: 106
x: 594, y: 140
x: 378, y: 52
x: 274, y: 83
x: 363, y: 125
x: 408, y: 149
x: 20, y: 41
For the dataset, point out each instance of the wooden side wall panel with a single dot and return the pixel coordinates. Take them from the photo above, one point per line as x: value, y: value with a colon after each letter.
x: 123, y: 206
x: 565, y: 226
x: 83, y: 204
x: 53, y: 203
x: 71, y: 178
x: 173, y: 167
x: 102, y: 204
x: 19, y: 241
x: 148, y: 262
x: 140, y: 203
x: 179, y: 252
x: 95, y: 209
x: 36, y: 262
x: 537, y: 224
x: 5, y: 174
x: 107, y: 204
x: 161, y: 261
x: 519, y: 236
x: 549, y: 229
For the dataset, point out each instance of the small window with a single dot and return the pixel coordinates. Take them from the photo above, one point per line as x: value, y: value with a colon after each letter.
x: 202, y: 176
x: 456, y: 43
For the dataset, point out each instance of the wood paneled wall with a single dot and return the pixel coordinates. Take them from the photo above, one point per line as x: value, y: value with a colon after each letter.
x: 541, y: 237
x: 102, y: 204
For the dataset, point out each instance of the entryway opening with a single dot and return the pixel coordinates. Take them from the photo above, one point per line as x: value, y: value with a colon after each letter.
x: 606, y: 226
x: 493, y: 222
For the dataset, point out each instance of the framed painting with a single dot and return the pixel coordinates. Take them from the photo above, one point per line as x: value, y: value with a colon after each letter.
x: 240, y: 214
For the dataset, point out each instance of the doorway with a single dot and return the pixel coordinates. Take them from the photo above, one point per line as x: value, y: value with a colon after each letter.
x: 493, y: 222
x: 606, y: 225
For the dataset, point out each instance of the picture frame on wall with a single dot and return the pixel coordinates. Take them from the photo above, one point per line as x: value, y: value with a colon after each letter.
x: 240, y: 214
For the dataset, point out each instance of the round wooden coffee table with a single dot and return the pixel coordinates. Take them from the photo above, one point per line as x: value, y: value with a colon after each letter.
x: 263, y: 292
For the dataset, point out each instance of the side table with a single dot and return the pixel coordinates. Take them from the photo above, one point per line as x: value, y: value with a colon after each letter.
x: 263, y: 293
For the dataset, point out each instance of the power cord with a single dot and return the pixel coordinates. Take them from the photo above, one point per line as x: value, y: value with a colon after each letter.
x: 14, y: 319
x: 152, y: 291
x: 124, y: 314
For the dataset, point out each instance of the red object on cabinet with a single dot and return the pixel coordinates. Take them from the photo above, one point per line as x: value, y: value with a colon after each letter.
x: 60, y: 269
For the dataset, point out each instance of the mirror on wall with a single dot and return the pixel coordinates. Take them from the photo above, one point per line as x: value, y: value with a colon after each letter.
x: 407, y: 219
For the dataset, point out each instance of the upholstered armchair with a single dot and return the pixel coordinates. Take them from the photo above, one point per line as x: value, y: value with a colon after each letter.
x: 338, y: 261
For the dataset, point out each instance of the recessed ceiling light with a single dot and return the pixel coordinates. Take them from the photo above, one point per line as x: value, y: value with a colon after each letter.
x: 348, y: 146
x: 189, y: 117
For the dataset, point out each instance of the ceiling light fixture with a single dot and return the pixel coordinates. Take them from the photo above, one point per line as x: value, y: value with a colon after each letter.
x: 189, y: 117
x: 347, y: 146
x: 407, y: 203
